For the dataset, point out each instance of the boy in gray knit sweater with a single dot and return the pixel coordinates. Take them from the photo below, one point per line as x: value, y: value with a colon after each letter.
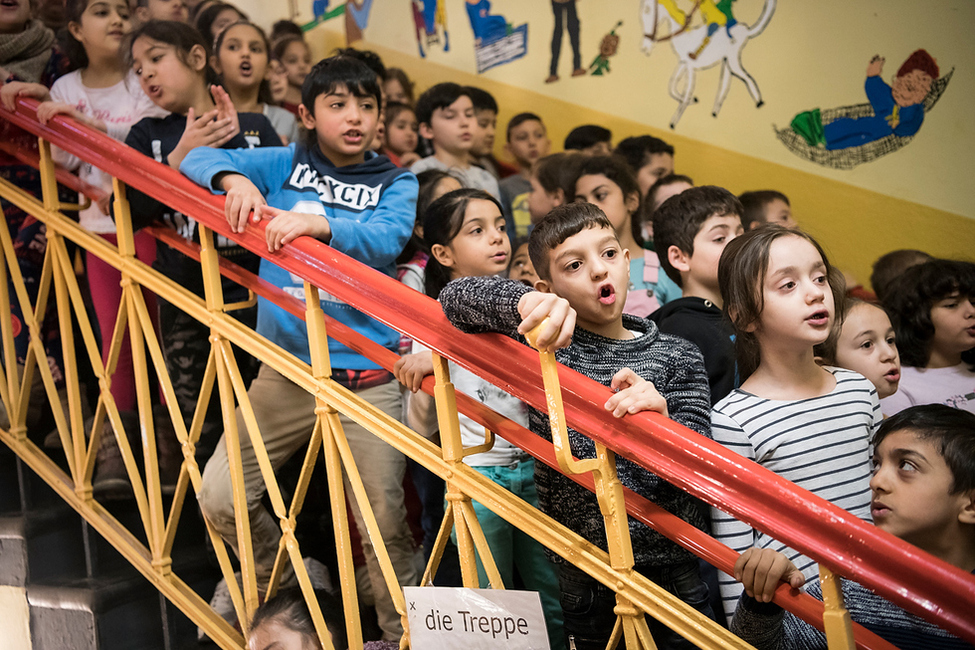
x: 584, y: 277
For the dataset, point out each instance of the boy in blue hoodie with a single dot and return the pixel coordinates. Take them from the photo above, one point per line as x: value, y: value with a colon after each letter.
x: 333, y: 188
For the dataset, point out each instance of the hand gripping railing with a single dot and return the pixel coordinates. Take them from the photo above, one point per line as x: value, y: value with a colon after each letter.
x: 838, y: 541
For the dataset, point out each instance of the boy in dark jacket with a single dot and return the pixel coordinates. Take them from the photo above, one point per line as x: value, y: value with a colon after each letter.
x: 690, y: 230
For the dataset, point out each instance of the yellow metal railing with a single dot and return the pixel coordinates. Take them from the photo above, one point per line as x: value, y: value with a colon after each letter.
x: 159, y: 523
x: 635, y: 594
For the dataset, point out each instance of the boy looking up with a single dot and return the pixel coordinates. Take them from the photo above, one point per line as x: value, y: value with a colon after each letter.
x: 446, y: 117
x: 690, y: 231
x: 590, y: 139
x: 924, y: 493
x: 527, y: 142
x: 584, y: 277
x: 308, y: 186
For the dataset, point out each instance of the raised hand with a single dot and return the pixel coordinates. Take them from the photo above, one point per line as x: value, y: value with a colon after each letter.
x: 203, y: 131
x: 876, y: 67
x: 225, y: 110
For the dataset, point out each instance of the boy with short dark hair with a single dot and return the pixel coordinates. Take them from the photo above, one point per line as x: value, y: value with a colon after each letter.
x: 584, y: 277
x: 924, y: 493
x: 766, y: 206
x: 590, y: 139
x: 650, y: 159
x: 690, y: 231
x: 446, y: 116
x: 485, y: 127
x: 337, y: 190
x: 527, y: 142
x: 890, y: 266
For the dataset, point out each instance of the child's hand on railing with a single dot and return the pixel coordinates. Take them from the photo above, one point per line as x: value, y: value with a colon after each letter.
x: 48, y: 110
x: 243, y: 197
x: 534, y: 307
x: 410, y: 369
x: 11, y: 91
x: 760, y: 570
x: 285, y: 227
x: 634, y: 394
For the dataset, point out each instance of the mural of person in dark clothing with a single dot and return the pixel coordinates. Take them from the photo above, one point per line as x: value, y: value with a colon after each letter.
x: 565, y: 18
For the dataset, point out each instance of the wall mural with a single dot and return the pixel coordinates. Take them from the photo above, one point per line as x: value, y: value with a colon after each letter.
x: 495, y: 40
x: 566, y: 19
x: 607, y: 48
x: 718, y: 38
x: 356, y: 19
x: 848, y: 136
x: 430, y: 17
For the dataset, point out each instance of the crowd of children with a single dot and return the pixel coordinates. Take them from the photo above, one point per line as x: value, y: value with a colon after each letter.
x: 712, y: 309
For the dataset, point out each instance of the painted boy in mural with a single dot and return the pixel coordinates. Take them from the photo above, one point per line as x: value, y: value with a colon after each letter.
x: 486, y: 26
x: 898, y: 109
x: 565, y: 18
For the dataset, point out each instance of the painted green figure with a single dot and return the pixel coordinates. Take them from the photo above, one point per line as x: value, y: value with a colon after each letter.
x: 607, y: 48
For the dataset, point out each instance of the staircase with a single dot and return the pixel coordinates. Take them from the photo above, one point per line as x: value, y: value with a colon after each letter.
x: 82, y: 594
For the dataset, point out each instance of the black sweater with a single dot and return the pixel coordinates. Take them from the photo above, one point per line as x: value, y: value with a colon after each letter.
x: 490, y: 304
x: 702, y: 323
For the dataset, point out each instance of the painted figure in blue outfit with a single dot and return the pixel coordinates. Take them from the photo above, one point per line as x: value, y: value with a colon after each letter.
x: 487, y: 28
x: 318, y: 8
x: 898, y: 109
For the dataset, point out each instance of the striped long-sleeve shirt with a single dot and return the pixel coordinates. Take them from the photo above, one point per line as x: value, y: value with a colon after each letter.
x: 821, y: 444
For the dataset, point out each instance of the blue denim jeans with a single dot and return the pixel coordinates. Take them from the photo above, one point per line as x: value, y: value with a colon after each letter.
x: 516, y: 550
x: 587, y: 605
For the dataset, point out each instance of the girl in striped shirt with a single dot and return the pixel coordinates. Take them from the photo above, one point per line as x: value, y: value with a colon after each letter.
x: 808, y: 423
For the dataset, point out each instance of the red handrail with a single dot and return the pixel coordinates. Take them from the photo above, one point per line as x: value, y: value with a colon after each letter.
x: 921, y: 584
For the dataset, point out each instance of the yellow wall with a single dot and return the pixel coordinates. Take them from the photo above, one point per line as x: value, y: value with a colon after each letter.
x: 811, y: 54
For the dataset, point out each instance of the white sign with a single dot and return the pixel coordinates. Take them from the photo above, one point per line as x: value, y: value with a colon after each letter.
x: 447, y: 618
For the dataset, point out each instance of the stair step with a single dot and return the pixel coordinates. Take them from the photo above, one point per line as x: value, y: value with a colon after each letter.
x: 96, y: 614
x: 47, y: 543
x: 13, y: 552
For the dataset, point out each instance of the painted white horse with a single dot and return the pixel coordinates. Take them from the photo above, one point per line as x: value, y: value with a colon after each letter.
x: 693, y: 54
